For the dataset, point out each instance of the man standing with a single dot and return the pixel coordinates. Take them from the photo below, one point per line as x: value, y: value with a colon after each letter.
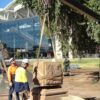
x: 21, y: 81
x: 11, y: 78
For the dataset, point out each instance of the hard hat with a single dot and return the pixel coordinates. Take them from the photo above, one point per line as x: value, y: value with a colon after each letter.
x: 11, y: 59
x: 25, y: 61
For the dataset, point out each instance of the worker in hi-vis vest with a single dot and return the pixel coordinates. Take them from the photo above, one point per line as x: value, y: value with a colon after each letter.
x: 11, y: 78
x: 21, y: 81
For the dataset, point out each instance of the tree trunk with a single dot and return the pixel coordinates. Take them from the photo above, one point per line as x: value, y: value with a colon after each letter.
x: 58, y: 49
x: 70, y: 52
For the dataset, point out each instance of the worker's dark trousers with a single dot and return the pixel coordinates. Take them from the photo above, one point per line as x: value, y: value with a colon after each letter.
x: 11, y: 90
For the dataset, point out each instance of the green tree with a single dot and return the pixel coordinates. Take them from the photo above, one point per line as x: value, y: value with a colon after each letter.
x: 93, y: 28
x: 66, y: 23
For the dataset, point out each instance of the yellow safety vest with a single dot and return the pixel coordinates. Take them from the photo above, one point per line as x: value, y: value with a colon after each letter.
x: 20, y: 75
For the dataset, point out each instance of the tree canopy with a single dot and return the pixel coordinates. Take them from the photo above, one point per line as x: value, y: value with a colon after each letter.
x: 62, y: 18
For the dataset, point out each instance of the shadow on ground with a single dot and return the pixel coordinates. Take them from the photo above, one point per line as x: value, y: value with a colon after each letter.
x: 93, y: 98
x: 95, y: 76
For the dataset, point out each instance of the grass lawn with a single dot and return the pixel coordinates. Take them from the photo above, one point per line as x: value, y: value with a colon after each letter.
x: 87, y: 63
x: 84, y: 63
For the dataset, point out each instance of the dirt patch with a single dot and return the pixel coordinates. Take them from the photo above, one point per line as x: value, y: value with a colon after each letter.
x: 83, y: 83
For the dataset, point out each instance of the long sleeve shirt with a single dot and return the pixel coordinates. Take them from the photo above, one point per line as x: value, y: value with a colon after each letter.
x: 11, y: 73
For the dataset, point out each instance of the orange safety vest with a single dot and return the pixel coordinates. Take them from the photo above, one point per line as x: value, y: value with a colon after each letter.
x: 11, y: 72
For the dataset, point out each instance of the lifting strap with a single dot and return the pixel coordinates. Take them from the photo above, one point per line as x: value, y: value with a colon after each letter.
x: 51, y: 38
x: 40, y: 42
x: 41, y: 35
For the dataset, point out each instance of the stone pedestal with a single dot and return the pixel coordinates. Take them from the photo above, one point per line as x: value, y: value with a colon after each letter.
x: 48, y: 94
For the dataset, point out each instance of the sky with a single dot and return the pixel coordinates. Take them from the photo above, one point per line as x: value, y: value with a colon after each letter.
x: 3, y: 3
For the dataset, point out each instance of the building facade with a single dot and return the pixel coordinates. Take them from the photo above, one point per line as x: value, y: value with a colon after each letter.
x: 20, y: 33
x: 21, y: 38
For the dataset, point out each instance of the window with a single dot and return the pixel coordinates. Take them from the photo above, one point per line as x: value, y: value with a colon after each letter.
x: 22, y: 37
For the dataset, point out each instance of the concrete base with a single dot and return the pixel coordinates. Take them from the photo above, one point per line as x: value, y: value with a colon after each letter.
x: 48, y: 94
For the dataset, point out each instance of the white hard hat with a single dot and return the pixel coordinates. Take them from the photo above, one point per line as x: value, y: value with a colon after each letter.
x: 11, y: 59
x: 25, y: 61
